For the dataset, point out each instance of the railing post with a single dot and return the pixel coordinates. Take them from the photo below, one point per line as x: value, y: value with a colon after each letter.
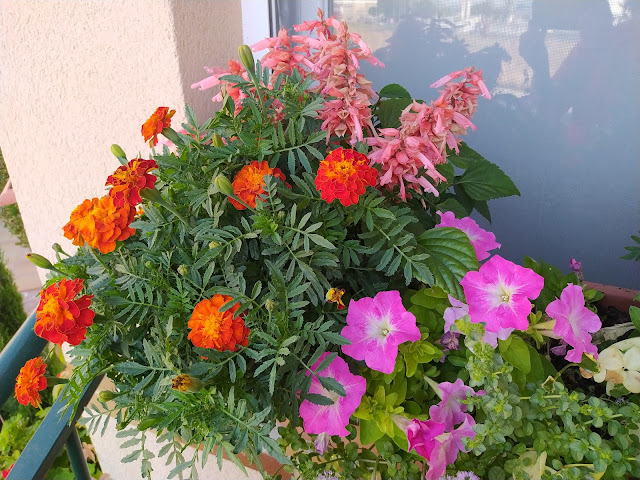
x: 76, y: 456
x: 24, y: 346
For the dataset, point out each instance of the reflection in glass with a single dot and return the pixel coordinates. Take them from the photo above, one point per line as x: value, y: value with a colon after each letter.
x: 563, y: 121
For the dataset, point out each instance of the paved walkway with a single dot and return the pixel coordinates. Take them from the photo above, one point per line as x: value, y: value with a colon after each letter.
x: 24, y: 272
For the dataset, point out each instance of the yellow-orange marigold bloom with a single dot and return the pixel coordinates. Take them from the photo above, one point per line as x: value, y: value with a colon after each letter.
x: 129, y: 179
x: 30, y: 381
x: 249, y: 182
x: 186, y: 383
x: 344, y: 174
x: 158, y: 121
x: 99, y: 223
x: 211, y: 328
x: 60, y: 316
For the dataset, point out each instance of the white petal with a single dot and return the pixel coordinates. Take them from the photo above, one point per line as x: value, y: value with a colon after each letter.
x: 632, y: 359
x: 611, y: 359
x: 632, y: 381
x: 599, y: 377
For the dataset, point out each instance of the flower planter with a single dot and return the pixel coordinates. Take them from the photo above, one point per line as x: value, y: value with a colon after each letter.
x: 618, y: 297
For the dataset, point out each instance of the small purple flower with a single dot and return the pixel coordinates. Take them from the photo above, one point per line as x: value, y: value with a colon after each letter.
x: 560, y: 349
x: 449, y: 341
x: 450, y: 411
x: 575, y: 265
x: 322, y: 443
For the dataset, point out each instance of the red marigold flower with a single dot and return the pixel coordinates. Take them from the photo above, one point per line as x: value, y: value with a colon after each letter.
x: 129, y: 179
x: 249, y: 182
x: 211, y: 328
x: 61, y: 317
x: 99, y: 223
x: 158, y: 121
x: 5, y: 473
x: 344, y: 175
x: 30, y: 381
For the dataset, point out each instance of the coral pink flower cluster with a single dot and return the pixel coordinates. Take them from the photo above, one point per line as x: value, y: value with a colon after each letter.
x: 331, y: 60
x: 335, y: 58
x: 235, y: 68
x: 438, y: 439
x: 425, y: 133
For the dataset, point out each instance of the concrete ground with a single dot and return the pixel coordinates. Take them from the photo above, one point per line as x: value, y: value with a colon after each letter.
x: 24, y: 272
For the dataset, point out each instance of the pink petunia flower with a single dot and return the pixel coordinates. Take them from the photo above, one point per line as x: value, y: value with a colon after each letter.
x: 450, y: 411
x: 481, y: 240
x: 499, y: 293
x: 375, y: 327
x: 459, y: 309
x: 574, y: 322
x: 439, y: 447
x: 332, y: 419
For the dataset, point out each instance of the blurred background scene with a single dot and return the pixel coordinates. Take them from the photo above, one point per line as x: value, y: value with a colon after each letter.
x: 563, y: 121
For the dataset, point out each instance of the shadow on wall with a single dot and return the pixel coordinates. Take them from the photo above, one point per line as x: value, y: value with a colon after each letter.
x: 563, y: 121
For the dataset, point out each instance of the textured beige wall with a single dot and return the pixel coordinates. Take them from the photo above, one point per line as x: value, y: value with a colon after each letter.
x: 79, y: 75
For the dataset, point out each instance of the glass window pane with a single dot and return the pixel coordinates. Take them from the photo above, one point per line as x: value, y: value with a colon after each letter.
x: 563, y: 121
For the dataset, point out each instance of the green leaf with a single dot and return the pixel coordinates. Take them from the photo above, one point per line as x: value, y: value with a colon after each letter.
x: 321, y: 241
x: 369, y: 432
x: 318, y: 399
x: 452, y: 205
x: 393, y: 90
x: 484, y: 180
x: 131, y: 368
x: 634, y: 313
x: 465, y: 158
x: 451, y: 256
x: 515, y: 351
x: 333, y: 385
x: 390, y: 110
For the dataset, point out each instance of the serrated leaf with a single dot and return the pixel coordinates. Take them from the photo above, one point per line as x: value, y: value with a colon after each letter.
x: 131, y: 368
x: 451, y: 256
x: 484, y: 180
x: 393, y: 90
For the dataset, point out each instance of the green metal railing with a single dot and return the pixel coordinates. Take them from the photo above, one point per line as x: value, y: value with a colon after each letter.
x: 56, y: 430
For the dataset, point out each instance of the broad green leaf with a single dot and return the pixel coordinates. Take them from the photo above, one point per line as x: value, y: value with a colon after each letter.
x: 451, y: 256
x: 390, y: 110
x: 466, y: 156
x: 393, y: 90
x: 634, y: 313
x: 453, y: 205
x: 515, y: 351
x: 484, y: 180
x: 369, y: 432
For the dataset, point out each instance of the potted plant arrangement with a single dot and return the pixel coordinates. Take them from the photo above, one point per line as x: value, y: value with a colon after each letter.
x: 304, y: 264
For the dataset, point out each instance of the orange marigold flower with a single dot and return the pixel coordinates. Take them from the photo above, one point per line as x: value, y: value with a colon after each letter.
x: 211, y: 328
x: 334, y: 295
x: 99, y: 223
x: 61, y: 317
x: 249, y: 182
x: 344, y: 175
x: 129, y: 179
x: 30, y: 381
x: 158, y: 121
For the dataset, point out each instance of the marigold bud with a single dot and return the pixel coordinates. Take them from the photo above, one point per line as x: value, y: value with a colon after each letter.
x: 246, y: 57
x: 58, y: 249
x: 106, y: 396
x: 146, y: 423
x: 148, y: 264
x: 186, y: 383
x: 39, y: 261
x: 118, y: 152
x: 223, y: 185
x: 217, y: 140
x: 183, y: 270
x: 269, y: 305
x: 213, y: 245
x: 121, y: 426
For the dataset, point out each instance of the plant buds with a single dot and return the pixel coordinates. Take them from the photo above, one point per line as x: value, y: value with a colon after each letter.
x: 106, y: 396
x: 217, y: 140
x: 246, y: 57
x: 118, y: 152
x: 183, y: 270
x: 223, y: 185
x: 40, y: 261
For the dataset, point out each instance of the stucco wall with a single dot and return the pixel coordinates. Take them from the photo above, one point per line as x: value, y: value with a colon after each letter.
x: 79, y: 75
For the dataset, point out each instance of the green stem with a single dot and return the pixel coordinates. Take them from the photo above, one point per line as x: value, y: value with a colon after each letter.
x: 564, y: 368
